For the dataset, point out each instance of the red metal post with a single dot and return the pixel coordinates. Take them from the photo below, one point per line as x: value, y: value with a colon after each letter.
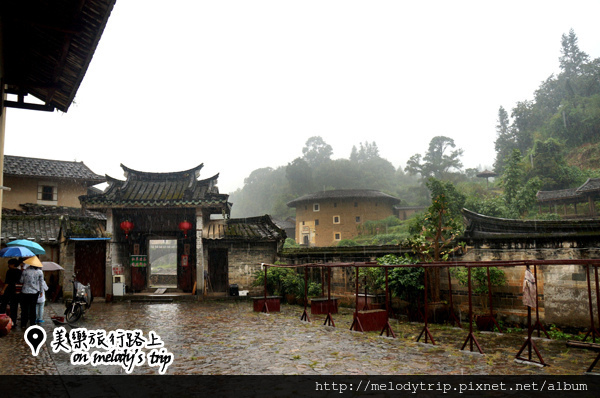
x: 593, y: 331
x: 471, y: 336
x: 538, y: 325
x: 490, y: 300
x: 305, y: 316
x: 426, y: 327
x: 356, y: 325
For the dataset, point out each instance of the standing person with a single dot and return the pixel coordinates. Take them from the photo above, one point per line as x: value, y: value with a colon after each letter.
x: 32, y: 279
x: 41, y: 301
x: 9, y: 292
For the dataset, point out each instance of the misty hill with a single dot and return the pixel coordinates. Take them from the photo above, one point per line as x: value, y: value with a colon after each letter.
x: 550, y: 142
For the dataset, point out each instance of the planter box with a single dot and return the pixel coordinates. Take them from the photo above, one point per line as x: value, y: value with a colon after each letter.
x: 372, y: 320
x: 323, y: 306
x: 373, y: 302
x: 485, y: 323
x: 273, y: 303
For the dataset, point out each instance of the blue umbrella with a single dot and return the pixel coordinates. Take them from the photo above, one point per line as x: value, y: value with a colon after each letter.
x: 33, y: 246
x: 16, y: 251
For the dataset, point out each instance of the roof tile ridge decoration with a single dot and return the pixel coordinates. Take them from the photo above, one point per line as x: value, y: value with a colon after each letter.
x: 115, y: 185
x: 143, y: 175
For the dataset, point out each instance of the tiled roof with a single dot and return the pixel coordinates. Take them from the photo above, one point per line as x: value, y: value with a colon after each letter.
x: 562, y: 194
x: 344, y: 194
x: 43, y: 223
x: 48, y: 46
x: 33, y: 167
x: 481, y: 227
x: 591, y: 186
x: 252, y: 228
x: 142, y: 189
x: 31, y: 209
x: 37, y: 228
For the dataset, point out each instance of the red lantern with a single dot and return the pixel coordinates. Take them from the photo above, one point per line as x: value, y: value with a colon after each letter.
x: 185, y: 226
x: 127, y: 226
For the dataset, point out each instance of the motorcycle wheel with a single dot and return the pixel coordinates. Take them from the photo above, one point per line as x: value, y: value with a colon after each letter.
x: 73, y: 314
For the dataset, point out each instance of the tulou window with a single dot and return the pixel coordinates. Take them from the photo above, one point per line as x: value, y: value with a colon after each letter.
x: 47, y: 193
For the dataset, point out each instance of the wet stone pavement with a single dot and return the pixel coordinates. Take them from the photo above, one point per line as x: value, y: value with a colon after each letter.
x: 228, y: 338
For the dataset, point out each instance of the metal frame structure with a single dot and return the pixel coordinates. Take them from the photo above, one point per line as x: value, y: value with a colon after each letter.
x: 470, y: 339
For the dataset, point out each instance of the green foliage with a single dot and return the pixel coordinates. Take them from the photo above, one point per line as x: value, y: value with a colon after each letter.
x: 290, y: 243
x: 549, y: 165
x: 379, y: 226
x: 314, y: 288
x: 566, y: 107
x: 373, y: 277
x: 434, y: 232
x: 316, y: 151
x: 556, y: 333
x: 438, y: 160
x: 280, y: 281
x: 406, y: 283
x: 491, y: 205
x: 479, y: 279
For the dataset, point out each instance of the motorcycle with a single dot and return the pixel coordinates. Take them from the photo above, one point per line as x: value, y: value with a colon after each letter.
x: 81, y: 302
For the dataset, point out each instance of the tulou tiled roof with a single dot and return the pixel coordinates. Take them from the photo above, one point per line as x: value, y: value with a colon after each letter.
x: 43, y: 224
x: 249, y: 229
x: 344, y: 194
x: 143, y: 189
x: 482, y: 227
x: 590, y: 187
x: 45, y: 168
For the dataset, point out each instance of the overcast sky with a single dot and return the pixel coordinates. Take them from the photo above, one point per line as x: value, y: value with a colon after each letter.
x: 241, y: 85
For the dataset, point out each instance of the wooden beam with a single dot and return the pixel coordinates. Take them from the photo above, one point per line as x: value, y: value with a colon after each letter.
x: 32, y: 107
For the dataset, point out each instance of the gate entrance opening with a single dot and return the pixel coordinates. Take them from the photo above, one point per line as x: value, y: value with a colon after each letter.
x: 162, y: 255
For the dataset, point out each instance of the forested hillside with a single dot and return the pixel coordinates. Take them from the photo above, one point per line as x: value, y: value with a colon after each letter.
x: 549, y: 142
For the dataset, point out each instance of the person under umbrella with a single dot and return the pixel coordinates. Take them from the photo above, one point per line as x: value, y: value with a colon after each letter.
x: 9, y: 291
x: 32, y: 279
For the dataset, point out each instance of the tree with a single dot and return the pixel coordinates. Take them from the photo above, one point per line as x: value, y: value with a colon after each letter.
x: 435, y: 232
x: 549, y: 165
x: 519, y: 192
x: 316, y: 151
x: 300, y: 176
x: 367, y: 152
x: 437, y: 162
x: 572, y: 58
x: 506, y: 140
x: 513, y: 175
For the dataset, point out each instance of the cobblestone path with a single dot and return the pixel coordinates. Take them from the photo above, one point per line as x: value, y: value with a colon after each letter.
x: 228, y: 338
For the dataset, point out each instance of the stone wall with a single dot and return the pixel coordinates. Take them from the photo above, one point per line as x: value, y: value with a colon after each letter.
x: 562, y: 289
x: 245, y: 259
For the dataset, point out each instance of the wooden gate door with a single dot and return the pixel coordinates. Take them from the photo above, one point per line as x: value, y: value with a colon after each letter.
x: 90, y: 265
x: 218, y: 270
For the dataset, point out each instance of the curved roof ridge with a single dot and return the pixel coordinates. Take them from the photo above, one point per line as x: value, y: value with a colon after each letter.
x: 129, y: 171
x: 216, y: 176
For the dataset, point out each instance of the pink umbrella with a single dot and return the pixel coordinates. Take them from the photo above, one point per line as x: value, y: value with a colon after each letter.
x: 51, y: 266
